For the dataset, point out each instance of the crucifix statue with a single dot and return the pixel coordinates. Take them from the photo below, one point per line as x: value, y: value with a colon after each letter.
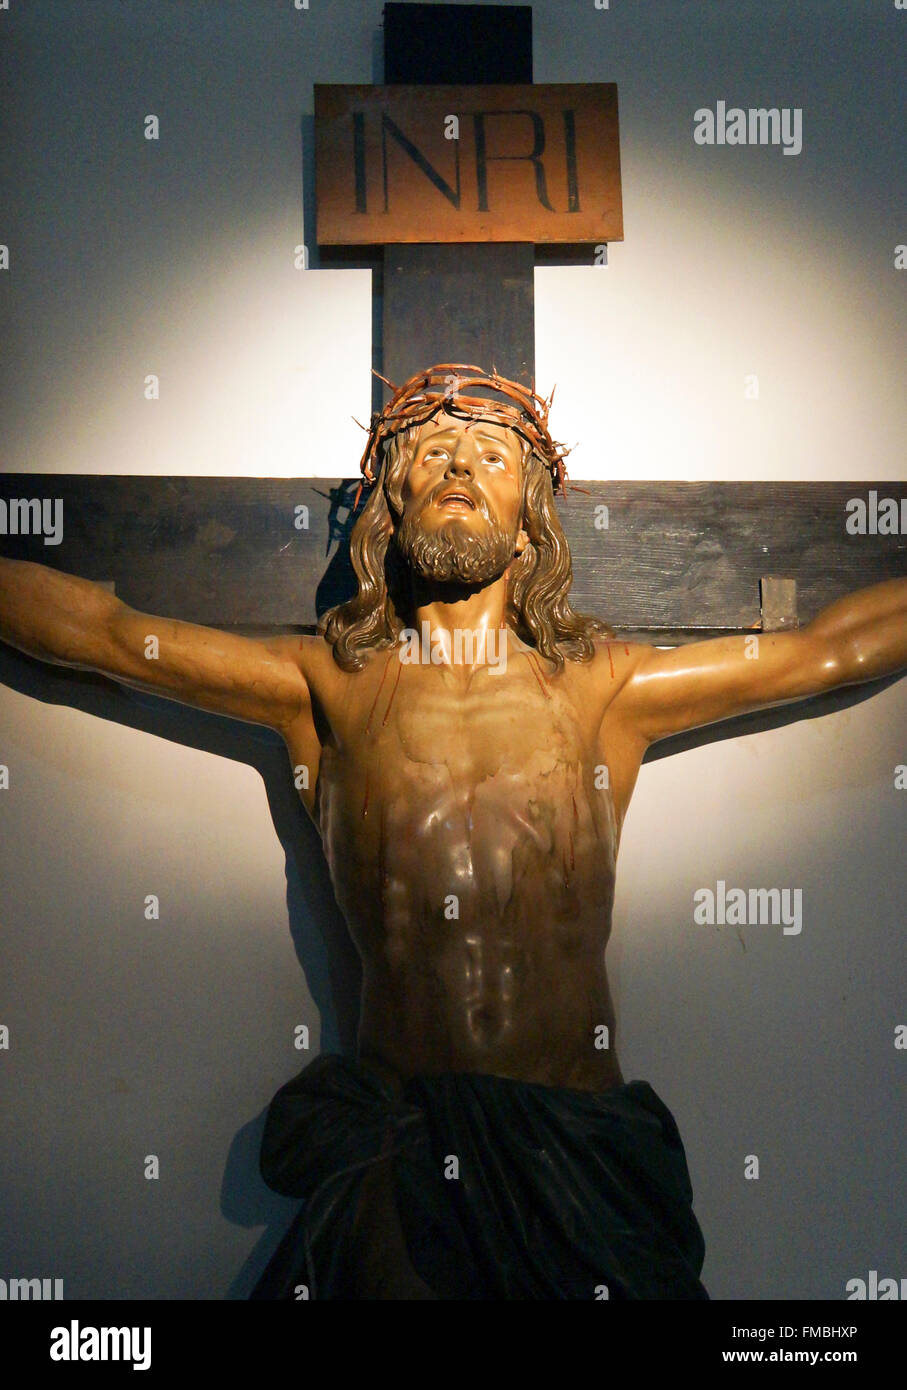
x: 464, y: 740
x: 472, y: 745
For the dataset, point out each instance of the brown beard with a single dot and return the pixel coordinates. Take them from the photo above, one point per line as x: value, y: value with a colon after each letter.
x: 539, y: 608
x: 454, y: 555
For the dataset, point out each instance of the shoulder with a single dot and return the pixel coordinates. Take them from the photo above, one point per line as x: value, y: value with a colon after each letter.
x: 619, y: 671
x: 314, y: 657
x: 616, y: 662
x: 612, y: 669
x: 311, y: 657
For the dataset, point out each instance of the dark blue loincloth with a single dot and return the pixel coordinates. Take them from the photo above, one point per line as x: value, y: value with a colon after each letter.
x: 558, y: 1192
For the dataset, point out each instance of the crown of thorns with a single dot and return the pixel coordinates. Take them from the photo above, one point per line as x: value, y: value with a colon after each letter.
x: 442, y: 389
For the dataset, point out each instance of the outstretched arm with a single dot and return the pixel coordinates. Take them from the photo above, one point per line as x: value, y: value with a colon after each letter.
x: 858, y: 638
x: 73, y: 622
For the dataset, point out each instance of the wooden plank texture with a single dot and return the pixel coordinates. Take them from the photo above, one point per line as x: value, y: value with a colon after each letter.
x: 532, y: 163
x: 450, y: 303
x: 677, y: 560
x: 472, y: 301
x: 432, y: 43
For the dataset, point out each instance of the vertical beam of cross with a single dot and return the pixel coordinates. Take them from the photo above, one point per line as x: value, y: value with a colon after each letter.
x: 464, y: 302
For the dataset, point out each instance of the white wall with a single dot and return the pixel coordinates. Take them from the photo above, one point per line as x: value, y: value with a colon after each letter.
x: 131, y: 1037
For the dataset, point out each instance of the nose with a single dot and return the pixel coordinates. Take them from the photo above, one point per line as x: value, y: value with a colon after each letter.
x: 462, y: 460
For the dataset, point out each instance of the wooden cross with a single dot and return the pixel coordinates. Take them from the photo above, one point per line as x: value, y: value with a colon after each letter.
x: 667, y: 562
x: 453, y: 174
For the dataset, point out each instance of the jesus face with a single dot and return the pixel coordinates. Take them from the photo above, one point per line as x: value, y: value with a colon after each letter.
x: 463, y: 499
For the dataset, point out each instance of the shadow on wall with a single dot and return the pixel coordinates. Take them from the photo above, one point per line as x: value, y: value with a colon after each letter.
x: 323, y: 947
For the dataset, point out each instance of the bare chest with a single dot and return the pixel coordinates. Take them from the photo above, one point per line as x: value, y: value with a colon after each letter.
x: 481, y: 792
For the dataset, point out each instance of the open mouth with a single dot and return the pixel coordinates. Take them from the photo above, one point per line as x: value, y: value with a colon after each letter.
x: 463, y: 498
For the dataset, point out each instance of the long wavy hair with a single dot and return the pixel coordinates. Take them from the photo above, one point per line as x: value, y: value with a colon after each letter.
x: 538, y: 608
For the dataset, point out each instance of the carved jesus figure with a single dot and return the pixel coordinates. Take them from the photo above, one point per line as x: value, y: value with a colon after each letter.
x: 484, y: 1142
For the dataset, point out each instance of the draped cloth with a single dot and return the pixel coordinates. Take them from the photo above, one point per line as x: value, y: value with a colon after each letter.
x: 505, y: 1189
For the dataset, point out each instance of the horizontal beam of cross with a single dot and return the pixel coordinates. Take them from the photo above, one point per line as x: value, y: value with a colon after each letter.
x: 662, y: 560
